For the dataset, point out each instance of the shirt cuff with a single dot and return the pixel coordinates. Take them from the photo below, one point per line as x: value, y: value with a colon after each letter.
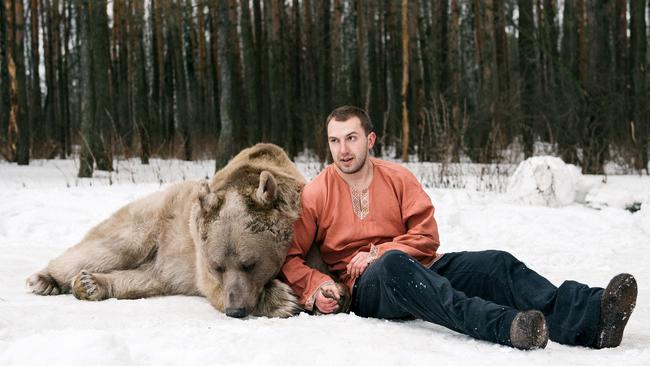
x: 309, y: 305
x: 373, y: 254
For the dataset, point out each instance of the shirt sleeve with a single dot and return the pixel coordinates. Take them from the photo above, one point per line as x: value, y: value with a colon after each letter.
x: 303, y: 280
x: 421, y: 240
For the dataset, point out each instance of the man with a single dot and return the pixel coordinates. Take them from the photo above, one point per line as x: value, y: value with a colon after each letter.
x: 375, y: 227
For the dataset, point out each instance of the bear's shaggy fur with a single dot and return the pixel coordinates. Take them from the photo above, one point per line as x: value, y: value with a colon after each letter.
x: 225, y: 239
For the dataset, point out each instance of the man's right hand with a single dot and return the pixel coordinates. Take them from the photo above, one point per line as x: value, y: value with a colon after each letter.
x: 327, y: 298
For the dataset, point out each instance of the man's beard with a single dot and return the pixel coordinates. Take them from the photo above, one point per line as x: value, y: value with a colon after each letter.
x: 360, y: 162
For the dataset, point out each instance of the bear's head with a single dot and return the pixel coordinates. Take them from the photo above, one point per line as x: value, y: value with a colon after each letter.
x: 242, y: 231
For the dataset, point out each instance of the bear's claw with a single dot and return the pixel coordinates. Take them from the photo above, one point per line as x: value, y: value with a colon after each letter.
x: 43, y: 284
x: 85, y: 287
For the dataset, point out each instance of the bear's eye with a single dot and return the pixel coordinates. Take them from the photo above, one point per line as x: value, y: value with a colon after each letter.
x: 219, y: 269
x: 248, y: 267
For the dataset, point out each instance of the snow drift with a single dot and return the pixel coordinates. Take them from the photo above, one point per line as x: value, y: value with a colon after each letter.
x: 544, y: 181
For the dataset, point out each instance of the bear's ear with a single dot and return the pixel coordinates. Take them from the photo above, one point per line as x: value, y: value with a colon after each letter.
x: 207, y: 199
x: 267, y: 188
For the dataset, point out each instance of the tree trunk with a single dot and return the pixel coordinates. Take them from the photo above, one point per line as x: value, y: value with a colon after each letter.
x: 158, y: 66
x: 224, y: 145
x: 501, y: 120
x: 336, y: 54
x: 599, y: 86
x: 214, y: 56
x: 442, y: 47
x: 202, y: 104
x: 276, y: 75
x: 566, y: 128
x: 237, y: 81
x: 18, y: 124
x: 405, y: 81
x: 4, y: 78
x: 100, y: 48
x: 324, y: 58
x: 416, y: 101
x: 455, y: 70
x: 549, y: 111
x: 63, y: 79
x: 639, y: 126
x: 23, y: 144
x: 50, y: 110
x: 260, y: 57
x: 180, y: 82
x: 489, y: 129
x: 527, y: 74
x: 140, y: 93
x: 363, y: 62
x: 12, y: 122
x: 582, y: 42
x: 35, y: 98
x: 122, y: 73
x: 88, y: 125
x: 295, y: 71
x: 188, y: 35
x: 622, y: 83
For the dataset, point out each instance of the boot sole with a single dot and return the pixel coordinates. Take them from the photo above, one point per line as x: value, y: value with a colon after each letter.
x: 617, y: 304
x: 533, y: 331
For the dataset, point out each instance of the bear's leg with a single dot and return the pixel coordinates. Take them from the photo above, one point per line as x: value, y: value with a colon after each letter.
x: 129, y: 284
x: 277, y: 301
x: 98, y: 252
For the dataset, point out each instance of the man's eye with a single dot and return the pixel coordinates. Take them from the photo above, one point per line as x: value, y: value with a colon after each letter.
x: 219, y: 269
x: 247, y: 267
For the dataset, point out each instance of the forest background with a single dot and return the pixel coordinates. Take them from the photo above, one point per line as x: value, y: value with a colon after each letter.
x: 446, y: 81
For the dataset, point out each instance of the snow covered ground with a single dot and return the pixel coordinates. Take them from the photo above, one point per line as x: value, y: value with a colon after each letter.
x: 45, y: 209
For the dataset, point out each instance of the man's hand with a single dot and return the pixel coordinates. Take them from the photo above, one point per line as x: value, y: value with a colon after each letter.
x: 358, y: 264
x: 327, y: 298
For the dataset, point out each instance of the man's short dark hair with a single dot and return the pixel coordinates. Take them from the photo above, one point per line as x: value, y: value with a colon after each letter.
x: 346, y: 112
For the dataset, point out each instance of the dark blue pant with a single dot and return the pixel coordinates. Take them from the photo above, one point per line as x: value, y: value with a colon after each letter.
x: 476, y: 293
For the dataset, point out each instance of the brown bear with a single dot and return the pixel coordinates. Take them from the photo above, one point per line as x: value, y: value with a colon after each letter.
x: 225, y: 239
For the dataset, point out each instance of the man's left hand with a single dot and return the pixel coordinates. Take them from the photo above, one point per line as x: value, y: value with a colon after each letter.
x: 358, y: 264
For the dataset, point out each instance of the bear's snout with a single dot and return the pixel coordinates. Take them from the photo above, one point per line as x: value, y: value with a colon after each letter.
x: 236, y: 312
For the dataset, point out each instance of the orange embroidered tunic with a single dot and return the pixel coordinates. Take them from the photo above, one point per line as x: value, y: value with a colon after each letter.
x: 394, y: 213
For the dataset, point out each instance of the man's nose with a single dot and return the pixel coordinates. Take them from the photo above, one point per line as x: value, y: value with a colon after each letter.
x: 344, y: 147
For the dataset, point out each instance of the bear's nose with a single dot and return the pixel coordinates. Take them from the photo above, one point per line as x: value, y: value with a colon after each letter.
x: 236, y: 312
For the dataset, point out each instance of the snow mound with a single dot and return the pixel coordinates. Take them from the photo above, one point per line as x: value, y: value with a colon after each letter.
x: 544, y: 181
x: 605, y: 196
x: 611, y: 193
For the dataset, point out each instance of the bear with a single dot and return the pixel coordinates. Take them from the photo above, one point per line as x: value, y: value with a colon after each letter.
x: 225, y: 239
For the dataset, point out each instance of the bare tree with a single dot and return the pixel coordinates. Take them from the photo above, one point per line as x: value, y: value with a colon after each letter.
x: 405, y: 81
x: 639, y: 125
x: 102, y: 114
x: 224, y: 147
x: 35, y: 80
x: 527, y: 74
x: 18, y: 136
x: 88, y: 126
x: 139, y: 83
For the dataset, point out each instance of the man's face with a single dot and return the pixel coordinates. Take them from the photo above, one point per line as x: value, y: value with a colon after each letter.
x: 349, y: 144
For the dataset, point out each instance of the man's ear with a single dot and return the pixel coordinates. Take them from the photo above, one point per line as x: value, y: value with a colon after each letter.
x: 267, y: 188
x: 372, y: 138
